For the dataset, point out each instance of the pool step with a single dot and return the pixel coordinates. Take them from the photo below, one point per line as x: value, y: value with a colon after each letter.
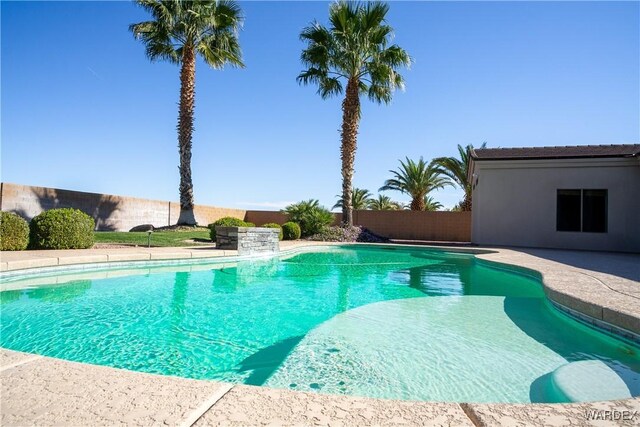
x: 592, y: 380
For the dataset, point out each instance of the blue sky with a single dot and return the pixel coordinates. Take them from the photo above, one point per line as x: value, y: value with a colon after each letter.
x: 83, y: 108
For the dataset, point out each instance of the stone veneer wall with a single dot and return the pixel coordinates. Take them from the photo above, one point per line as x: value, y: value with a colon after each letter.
x: 248, y: 240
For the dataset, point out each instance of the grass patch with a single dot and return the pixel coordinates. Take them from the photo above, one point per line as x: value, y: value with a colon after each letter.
x: 158, y: 238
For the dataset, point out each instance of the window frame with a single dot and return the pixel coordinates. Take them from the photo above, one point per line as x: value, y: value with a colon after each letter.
x: 582, y: 195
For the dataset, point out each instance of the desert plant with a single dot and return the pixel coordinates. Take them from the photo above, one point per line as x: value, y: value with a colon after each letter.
x: 359, y: 199
x: 291, y: 231
x: 65, y: 228
x: 456, y: 169
x: 14, y: 232
x: 355, y: 49
x: 416, y: 179
x: 227, y: 221
x: 309, y: 215
x: 347, y: 234
x: 178, y: 33
x: 274, y: 225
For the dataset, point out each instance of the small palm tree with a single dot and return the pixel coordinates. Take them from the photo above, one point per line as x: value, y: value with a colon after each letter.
x: 180, y: 31
x: 359, y: 199
x: 383, y: 203
x: 356, y: 49
x: 431, y: 205
x: 416, y: 179
x: 309, y: 215
x: 456, y: 169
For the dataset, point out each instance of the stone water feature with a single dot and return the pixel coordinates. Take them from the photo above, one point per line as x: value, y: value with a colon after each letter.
x: 248, y: 240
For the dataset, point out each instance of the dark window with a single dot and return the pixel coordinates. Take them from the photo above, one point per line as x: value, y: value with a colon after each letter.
x: 594, y: 211
x: 568, y: 217
x: 582, y: 210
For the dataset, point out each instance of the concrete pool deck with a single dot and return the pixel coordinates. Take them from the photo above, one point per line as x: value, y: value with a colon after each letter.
x: 36, y: 390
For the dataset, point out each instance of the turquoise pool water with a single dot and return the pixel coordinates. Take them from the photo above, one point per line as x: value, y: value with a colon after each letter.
x: 386, y: 322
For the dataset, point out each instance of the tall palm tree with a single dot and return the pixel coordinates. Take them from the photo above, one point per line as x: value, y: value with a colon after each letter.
x: 356, y: 49
x: 359, y: 199
x: 383, y: 203
x: 456, y: 169
x: 430, y: 204
x: 180, y: 31
x: 417, y: 179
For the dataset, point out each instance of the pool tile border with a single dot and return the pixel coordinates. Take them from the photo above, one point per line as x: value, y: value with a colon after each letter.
x: 601, y: 325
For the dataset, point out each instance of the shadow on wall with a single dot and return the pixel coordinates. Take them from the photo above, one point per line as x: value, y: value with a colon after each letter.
x: 99, y: 206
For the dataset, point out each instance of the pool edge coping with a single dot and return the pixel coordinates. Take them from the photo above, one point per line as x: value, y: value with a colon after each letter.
x: 476, y: 413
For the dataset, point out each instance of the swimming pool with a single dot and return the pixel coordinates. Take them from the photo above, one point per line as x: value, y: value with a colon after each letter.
x: 389, y: 322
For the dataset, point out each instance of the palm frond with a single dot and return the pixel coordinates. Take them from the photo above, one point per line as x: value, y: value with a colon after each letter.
x: 384, y: 203
x: 355, y: 45
x: 210, y: 27
x: 431, y: 205
x: 360, y: 199
x: 416, y: 179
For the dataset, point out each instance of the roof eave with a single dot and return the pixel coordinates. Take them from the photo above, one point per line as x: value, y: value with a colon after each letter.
x: 612, y: 156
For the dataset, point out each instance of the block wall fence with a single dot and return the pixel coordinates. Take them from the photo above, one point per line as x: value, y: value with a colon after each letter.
x: 121, y: 213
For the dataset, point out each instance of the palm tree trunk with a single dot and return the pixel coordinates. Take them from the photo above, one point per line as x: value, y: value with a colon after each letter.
x: 466, y: 203
x: 417, y: 204
x: 185, y: 130
x: 349, y: 135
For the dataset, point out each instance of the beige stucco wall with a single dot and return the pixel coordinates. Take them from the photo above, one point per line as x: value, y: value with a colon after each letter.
x: 116, y: 213
x: 120, y: 213
x: 514, y: 202
x: 416, y: 225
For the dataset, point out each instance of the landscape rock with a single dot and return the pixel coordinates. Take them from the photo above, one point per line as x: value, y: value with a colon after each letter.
x: 142, y: 227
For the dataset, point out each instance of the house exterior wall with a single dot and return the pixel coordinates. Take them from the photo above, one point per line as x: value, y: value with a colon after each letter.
x: 514, y: 202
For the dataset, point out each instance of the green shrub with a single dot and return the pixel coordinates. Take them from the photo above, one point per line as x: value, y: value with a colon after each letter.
x: 311, y: 217
x: 227, y: 221
x: 14, y: 232
x: 290, y: 231
x: 274, y: 225
x: 65, y: 228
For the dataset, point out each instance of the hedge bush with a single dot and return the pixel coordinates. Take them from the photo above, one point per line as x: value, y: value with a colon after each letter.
x: 311, y: 217
x: 227, y: 221
x: 65, y: 228
x: 14, y: 232
x: 290, y: 231
x: 274, y: 225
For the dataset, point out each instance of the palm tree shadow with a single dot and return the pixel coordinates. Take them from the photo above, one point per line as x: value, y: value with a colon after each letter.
x: 267, y: 360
